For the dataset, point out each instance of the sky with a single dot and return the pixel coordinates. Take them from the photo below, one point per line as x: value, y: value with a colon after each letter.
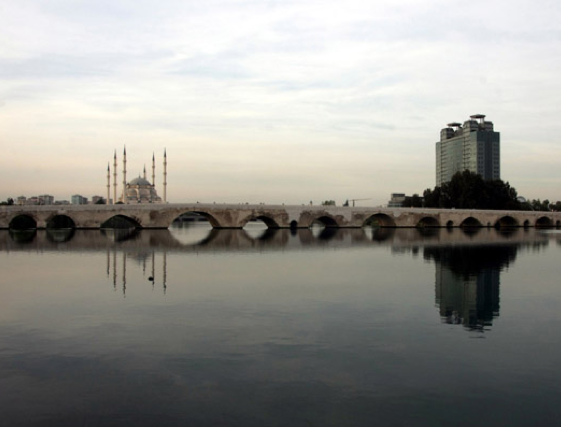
x: 270, y: 101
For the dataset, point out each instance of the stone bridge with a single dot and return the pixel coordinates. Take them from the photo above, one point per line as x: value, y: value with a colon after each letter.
x: 274, y: 216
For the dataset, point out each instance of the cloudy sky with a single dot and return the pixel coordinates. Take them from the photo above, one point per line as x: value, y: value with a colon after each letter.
x: 274, y: 101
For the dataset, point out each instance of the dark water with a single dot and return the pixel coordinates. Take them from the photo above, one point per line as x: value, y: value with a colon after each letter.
x: 254, y: 328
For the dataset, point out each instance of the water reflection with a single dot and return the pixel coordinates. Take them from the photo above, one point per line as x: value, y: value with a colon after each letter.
x: 59, y: 235
x: 467, y: 280
x: 147, y: 260
x: 120, y: 234
x: 467, y: 265
x: 222, y: 327
x: 203, y: 237
x: 22, y: 236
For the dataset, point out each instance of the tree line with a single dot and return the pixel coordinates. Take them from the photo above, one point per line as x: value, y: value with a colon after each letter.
x: 468, y: 190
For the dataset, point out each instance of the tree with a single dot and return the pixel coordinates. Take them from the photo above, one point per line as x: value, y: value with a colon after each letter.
x: 432, y: 198
x: 328, y: 203
x: 538, y: 205
x: 468, y: 190
x: 413, y: 201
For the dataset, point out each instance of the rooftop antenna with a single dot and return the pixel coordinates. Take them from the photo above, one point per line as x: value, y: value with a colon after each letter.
x: 480, y: 117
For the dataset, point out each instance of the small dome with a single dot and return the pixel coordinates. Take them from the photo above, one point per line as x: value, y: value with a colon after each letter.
x: 139, y: 181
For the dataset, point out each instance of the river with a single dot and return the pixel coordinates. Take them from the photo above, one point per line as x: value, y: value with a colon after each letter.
x: 321, y: 327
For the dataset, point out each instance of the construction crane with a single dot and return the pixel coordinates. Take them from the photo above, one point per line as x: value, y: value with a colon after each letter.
x: 353, y: 200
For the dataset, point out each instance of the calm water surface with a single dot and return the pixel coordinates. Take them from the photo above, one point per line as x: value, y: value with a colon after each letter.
x: 189, y: 327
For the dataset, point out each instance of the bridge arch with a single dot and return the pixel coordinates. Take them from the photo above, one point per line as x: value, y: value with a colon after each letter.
x: 60, y: 221
x: 526, y: 223
x: 326, y: 220
x: 121, y: 222
x: 379, y: 220
x: 428, y: 221
x: 544, y: 221
x: 269, y: 222
x: 470, y: 222
x: 449, y: 224
x: 558, y: 224
x: 23, y: 222
x: 506, y: 222
x: 205, y: 215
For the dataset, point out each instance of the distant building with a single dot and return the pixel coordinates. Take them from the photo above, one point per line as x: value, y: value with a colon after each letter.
x: 79, y: 200
x: 475, y: 146
x: 98, y: 199
x: 46, y: 199
x: 399, y: 200
x: 396, y: 200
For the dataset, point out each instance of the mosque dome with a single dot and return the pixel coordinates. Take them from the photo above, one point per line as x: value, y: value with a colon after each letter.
x: 139, y: 181
x: 140, y: 190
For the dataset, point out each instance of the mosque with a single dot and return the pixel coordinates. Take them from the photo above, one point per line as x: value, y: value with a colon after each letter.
x: 138, y: 190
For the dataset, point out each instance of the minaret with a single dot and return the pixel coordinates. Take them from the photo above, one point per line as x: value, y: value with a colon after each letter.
x: 125, y: 175
x: 165, y: 174
x: 153, y: 176
x: 114, y: 178
x: 144, y: 172
x: 153, y: 171
x: 108, y: 183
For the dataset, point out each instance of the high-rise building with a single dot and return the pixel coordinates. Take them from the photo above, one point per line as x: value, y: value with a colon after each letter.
x: 473, y: 146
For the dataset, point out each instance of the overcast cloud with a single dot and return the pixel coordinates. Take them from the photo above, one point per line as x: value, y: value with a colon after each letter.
x: 273, y: 101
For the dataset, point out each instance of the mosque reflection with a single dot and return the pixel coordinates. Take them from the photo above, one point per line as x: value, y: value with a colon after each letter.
x: 148, y: 260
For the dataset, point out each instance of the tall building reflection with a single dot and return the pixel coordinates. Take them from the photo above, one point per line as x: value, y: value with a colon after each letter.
x: 467, y: 282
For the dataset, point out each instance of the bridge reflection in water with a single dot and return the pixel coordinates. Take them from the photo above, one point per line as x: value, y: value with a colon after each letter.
x: 468, y: 263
